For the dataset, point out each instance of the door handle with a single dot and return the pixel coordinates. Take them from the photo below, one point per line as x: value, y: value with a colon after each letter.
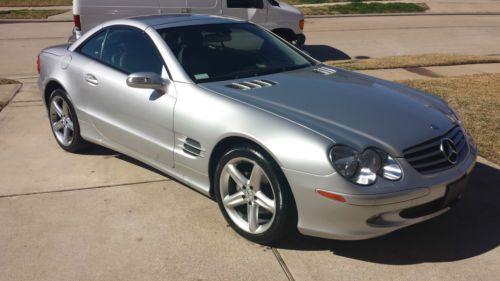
x: 91, y: 79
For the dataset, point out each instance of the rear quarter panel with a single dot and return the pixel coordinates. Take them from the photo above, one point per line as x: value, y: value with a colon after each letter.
x: 58, y: 65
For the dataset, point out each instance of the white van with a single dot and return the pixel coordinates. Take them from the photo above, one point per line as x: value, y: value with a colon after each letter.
x: 279, y: 17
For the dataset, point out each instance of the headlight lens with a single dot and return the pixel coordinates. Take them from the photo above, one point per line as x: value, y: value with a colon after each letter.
x: 455, y: 116
x: 457, y: 119
x: 363, y: 168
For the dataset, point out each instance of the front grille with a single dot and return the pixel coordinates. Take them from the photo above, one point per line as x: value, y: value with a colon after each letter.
x: 428, y: 158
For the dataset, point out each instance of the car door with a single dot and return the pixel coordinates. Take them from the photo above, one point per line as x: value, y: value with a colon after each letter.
x: 173, y: 6
x: 135, y: 121
x: 251, y: 10
x: 94, y: 12
x: 209, y: 7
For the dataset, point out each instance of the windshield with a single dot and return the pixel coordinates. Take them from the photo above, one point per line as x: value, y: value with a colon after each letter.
x: 217, y: 52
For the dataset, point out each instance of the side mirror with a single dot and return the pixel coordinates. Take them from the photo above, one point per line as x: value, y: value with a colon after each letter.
x: 147, y: 80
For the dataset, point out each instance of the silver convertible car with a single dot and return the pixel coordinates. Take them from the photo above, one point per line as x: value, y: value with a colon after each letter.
x: 281, y: 141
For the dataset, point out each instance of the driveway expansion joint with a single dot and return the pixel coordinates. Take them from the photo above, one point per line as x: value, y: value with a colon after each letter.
x: 81, y: 189
x: 283, y: 265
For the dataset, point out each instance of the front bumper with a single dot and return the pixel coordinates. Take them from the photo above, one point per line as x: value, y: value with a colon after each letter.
x: 375, y: 210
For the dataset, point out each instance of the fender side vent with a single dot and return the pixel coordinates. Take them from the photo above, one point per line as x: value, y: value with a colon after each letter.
x: 325, y: 70
x: 192, y: 147
x: 249, y: 85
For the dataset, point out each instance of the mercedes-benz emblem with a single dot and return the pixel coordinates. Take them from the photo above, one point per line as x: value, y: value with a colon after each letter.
x: 449, y: 150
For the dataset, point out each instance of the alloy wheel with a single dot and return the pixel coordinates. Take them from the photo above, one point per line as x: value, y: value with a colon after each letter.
x: 247, y: 195
x: 61, y: 121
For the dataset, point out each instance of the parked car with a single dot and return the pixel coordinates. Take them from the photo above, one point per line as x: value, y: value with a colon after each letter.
x: 279, y: 17
x: 279, y: 139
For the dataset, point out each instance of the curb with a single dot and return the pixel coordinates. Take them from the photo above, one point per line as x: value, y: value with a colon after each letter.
x: 32, y: 21
x: 401, y: 15
x: 10, y: 96
x: 487, y: 162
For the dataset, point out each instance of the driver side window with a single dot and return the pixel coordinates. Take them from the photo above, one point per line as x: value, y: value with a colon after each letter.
x: 93, y: 47
x: 131, y: 51
x: 127, y: 50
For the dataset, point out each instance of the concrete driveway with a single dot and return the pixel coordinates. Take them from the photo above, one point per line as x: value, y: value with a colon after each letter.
x: 100, y: 215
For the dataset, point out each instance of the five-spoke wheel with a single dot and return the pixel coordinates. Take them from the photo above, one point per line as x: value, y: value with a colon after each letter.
x: 60, y: 118
x: 63, y: 121
x: 253, y: 195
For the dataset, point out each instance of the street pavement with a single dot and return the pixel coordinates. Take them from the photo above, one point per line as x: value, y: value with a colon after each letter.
x: 351, y: 37
x: 100, y: 215
x: 327, y: 38
x: 21, y: 43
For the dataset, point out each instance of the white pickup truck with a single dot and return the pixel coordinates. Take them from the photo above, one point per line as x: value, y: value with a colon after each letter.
x: 279, y: 17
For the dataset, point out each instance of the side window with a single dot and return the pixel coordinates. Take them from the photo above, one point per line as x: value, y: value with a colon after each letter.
x: 131, y: 51
x: 93, y: 47
x: 245, y: 4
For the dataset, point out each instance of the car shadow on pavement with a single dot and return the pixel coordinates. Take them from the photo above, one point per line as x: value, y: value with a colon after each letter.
x: 109, y: 153
x: 471, y: 228
x: 325, y: 53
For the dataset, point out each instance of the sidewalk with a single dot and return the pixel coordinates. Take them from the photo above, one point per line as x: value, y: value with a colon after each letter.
x: 433, y: 71
x: 394, y: 74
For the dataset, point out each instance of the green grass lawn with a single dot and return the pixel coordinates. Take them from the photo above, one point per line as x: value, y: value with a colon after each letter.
x: 30, y: 14
x: 34, y: 3
x: 366, y: 8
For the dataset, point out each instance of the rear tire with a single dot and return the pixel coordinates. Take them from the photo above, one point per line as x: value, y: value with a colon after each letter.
x: 64, y: 122
x: 253, y: 195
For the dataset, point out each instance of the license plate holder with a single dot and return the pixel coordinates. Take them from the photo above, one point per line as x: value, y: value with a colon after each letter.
x: 455, y: 190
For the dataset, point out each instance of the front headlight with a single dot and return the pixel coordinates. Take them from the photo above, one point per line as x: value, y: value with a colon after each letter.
x: 455, y: 117
x: 363, y: 167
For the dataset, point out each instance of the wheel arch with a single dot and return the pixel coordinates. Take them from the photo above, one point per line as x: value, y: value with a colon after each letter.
x: 281, y: 32
x: 234, y: 141
x: 230, y: 142
x: 49, y: 88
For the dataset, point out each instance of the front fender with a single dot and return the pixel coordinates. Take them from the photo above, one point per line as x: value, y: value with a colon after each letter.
x: 207, y: 117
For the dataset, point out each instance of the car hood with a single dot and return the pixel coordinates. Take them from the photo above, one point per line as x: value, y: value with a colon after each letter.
x: 347, y: 107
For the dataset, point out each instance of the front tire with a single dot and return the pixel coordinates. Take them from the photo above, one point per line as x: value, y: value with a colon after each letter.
x: 64, y: 123
x: 253, y: 195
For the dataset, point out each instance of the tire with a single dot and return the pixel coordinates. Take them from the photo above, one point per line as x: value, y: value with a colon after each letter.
x: 64, y: 122
x: 296, y: 40
x: 248, y: 182
x: 287, y: 37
